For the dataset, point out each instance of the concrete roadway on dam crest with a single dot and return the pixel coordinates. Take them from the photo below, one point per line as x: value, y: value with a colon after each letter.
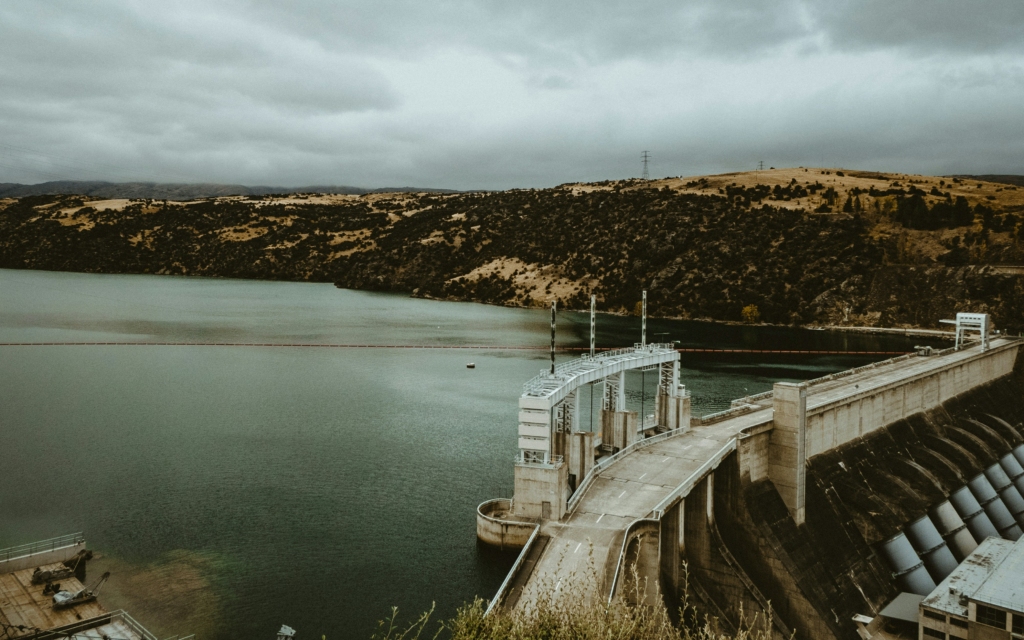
x: 583, y: 549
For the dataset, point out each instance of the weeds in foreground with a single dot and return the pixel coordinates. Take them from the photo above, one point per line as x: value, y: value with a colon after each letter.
x: 574, y: 614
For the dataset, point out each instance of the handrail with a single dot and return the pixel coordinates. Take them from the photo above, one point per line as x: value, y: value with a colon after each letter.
x: 622, y: 553
x: 607, y: 461
x: 74, y: 628
x: 32, y: 548
x: 500, y: 595
x: 587, y: 363
x: 736, y: 410
x: 757, y: 397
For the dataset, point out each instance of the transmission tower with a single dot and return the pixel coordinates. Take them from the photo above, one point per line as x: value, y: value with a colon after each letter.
x: 646, y: 157
x: 760, y: 165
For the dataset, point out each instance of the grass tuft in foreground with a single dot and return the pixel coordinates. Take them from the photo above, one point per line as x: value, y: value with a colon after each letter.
x: 569, y: 617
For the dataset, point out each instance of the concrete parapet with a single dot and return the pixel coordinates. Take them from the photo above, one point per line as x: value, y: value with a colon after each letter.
x: 493, y: 528
x: 878, y: 405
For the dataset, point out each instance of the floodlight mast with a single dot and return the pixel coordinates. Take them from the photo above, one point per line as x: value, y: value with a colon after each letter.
x: 643, y: 321
x: 593, y: 322
x: 553, y: 303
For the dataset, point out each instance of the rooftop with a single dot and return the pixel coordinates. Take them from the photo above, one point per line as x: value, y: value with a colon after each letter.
x: 992, y: 574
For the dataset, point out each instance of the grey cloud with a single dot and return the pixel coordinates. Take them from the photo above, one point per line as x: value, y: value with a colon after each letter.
x: 491, y: 94
x: 938, y: 27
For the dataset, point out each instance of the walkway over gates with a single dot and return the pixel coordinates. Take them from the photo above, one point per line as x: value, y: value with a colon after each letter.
x: 555, y: 455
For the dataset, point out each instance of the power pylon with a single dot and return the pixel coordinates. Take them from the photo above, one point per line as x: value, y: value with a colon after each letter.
x: 645, y: 156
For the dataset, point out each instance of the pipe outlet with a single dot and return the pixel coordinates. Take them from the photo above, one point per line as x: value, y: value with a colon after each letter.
x: 931, y: 548
x: 994, y: 507
x: 1014, y: 470
x: 1007, y: 492
x: 1018, y: 452
x: 908, y: 569
x: 953, y: 530
x: 977, y: 521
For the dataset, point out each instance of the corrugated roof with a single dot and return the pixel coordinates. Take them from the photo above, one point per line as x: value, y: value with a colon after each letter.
x: 903, y: 607
x: 1005, y: 586
x: 952, y: 593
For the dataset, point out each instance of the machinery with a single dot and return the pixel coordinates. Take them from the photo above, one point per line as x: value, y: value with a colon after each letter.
x: 66, y: 599
x: 68, y: 568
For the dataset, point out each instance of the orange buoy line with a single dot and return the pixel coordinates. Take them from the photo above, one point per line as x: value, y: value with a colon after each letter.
x: 423, y: 346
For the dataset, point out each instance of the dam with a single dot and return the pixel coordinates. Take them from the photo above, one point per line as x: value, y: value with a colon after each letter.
x: 822, y: 500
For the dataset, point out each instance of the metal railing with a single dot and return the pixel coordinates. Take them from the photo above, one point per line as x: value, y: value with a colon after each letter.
x: 77, y: 629
x: 621, y: 562
x: 687, y: 485
x: 42, y: 546
x: 731, y: 412
x: 502, y: 590
x: 754, y: 399
x: 551, y: 461
x: 572, y: 368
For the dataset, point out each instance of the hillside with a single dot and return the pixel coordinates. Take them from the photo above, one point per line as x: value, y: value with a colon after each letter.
x: 802, y: 246
x: 174, y: 191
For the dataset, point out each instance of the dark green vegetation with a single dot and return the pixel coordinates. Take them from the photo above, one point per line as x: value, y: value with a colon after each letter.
x: 879, y: 252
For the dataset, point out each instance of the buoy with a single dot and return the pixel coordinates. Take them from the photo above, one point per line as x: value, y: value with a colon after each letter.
x: 471, y: 365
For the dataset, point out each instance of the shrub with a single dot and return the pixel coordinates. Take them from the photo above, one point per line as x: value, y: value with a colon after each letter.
x: 575, y: 617
x: 751, y: 314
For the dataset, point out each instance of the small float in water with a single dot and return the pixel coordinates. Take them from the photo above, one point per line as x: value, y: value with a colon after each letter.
x: 471, y: 365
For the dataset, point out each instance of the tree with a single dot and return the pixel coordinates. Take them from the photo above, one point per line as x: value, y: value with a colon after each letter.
x: 751, y: 314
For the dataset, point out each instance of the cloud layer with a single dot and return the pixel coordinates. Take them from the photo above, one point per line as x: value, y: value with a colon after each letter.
x: 491, y: 94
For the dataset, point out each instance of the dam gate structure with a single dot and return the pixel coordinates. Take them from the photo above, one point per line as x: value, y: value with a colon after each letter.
x: 821, y: 500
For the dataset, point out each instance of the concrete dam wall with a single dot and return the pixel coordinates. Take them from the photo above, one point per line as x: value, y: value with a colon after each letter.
x: 861, y: 494
x: 821, y: 500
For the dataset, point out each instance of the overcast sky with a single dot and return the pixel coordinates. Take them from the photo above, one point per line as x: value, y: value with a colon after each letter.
x: 509, y: 93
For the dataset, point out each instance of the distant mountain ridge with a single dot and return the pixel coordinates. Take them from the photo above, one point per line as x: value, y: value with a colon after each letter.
x: 179, y: 191
x: 1000, y: 178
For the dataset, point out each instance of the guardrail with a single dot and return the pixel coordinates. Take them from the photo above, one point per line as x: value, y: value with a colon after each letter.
x: 501, y: 594
x: 622, y: 553
x: 757, y: 397
x: 42, y: 546
x: 691, y: 481
x: 607, y: 461
x: 658, y: 512
x: 732, y: 412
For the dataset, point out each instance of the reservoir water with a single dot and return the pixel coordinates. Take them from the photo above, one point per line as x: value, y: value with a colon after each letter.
x: 230, y: 490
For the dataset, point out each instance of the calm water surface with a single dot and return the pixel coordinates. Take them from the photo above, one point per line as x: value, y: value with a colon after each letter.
x: 234, y: 489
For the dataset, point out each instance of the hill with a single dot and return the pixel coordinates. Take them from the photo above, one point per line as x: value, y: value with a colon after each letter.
x: 795, y: 246
x: 176, y: 191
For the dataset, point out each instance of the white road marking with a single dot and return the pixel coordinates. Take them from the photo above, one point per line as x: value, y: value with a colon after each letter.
x: 641, y: 477
x: 599, y: 518
x: 578, y: 547
x: 622, y: 494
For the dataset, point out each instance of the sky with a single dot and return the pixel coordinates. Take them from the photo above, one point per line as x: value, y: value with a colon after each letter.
x: 504, y: 94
